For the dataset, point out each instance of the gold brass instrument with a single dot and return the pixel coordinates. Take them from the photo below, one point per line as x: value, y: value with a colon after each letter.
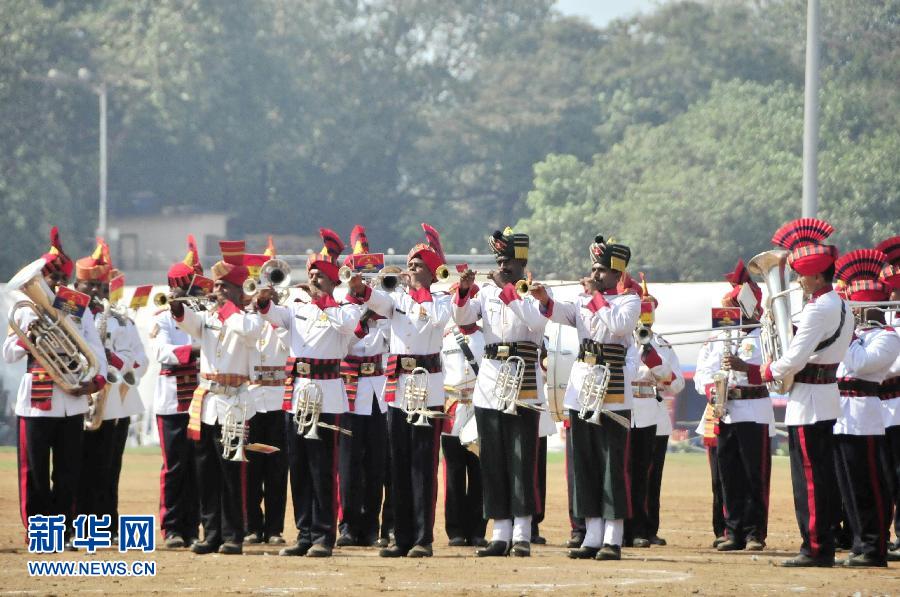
x: 93, y: 418
x: 523, y: 287
x: 57, y: 345
x: 415, y: 398
x: 777, y: 328
x: 508, y: 384
x: 388, y: 281
x: 274, y: 274
x: 720, y: 383
x: 592, y: 396
x: 309, y: 410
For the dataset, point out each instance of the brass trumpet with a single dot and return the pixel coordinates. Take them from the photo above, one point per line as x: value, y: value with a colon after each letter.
x: 196, y: 303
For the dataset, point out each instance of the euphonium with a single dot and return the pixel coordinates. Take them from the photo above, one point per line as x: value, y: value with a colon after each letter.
x: 58, y: 345
x: 777, y: 328
x: 593, y: 395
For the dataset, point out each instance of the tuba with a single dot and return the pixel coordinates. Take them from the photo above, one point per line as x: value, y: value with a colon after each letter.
x: 58, y: 345
x: 309, y: 409
x: 508, y: 384
x: 777, y: 328
x: 592, y: 396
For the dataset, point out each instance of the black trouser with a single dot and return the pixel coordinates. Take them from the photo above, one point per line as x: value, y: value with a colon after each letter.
x: 640, y: 457
x: 812, y: 474
x: 362, y: 471
x: 414, y: 459
x: 601, y: 468
x: 179, y: 503
x: 718, y: 502
x: 892, y: 464
x: 387, y: 507
x: 267, y: 475
x: 864, y: 492
x: 577, y: 524
x: 37, y: 437
x: 745, y: 466
x: 463, y: 505
x: 508, y: 451
x: 119, y: 439
x: 541, y: 505
x: 221, y: 489
x: 654, y: 483
x: 313, y: 465
x: 94, y: 489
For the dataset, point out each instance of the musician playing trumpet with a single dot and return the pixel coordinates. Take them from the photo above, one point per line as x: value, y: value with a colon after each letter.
x: 49, y: 419
x: 605, y: 320
x: 319, y: 333
x: 227, y: 335
x: 417, y: 319
x: 513, y: 328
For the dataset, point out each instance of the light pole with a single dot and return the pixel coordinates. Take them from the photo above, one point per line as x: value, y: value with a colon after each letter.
x: 811, y: 113
x: 85, y: 80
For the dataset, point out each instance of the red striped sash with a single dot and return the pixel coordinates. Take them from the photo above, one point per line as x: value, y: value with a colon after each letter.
x: 405, y: 363
x: 354, y: 367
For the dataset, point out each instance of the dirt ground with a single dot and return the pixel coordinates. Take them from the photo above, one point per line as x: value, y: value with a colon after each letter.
x: 685, y: 565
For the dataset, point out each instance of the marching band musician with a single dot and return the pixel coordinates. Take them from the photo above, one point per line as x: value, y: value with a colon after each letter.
x: 513, y: 328
x: 708, y: 430
x: 859, y: 430
x: 461, y: 353
x: 659, y: 369
x: 657, y: 464
x: 363, y: 456
x: 744, y: 457
x: 178, y: 357
x: 890, y: 391
x: 227, y: 335
x: 605, y: 321
x: 318, y: 332
x: 267, y: 474
x: 51, y: 421
x: 823, y: 331
x: 417, y: 320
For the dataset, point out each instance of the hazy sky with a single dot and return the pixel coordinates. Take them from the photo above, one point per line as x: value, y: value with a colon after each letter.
x: 600, y: 12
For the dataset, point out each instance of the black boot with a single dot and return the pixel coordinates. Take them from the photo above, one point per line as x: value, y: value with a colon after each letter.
x: 493, y: 549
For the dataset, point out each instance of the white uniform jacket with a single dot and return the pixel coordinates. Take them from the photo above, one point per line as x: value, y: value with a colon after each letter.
x: 170, y: 346
x: 869, y: 359
x: 370, y: 390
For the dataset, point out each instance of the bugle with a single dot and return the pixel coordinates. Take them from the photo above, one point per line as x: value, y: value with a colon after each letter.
x: 274, y: 274
x: 387, y: 280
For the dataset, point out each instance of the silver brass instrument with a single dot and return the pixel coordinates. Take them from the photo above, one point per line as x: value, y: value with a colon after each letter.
x: 195, y: 303
x: 415, y: 399
x: 508, y: 384
x: 58, y: 345
x: 592, y: 396
x: 388, y: 281
x: 643, y: 334
x: 309, y: 410
x: 234, y: 433
x: 274, y: 274
x: 861, y: 309
x: 777, y: 328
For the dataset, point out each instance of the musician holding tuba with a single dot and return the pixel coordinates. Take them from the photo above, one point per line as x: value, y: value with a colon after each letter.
x: 742, y: 454
x: 605, y: 320
x: 179, y: 361
x: 824, y: 328
x: 50, y: 418
x: 318, y: 334
x: 417, y: 317
x: 227, y: 335
x: 508, y: 392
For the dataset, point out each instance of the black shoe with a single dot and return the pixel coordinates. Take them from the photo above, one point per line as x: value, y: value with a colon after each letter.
x: 230, y: 548
x: 319, y: 551
x: 755, y: 545
x: 575, y: 541
x: 393, y: 552
x: 298, y: 549
x: 478, y: 542
x: 493, y: 549
x: 609, y: 552
x: 640, y: 542
x: 657, y: 540
x: 718, y: 541
x: 583, y: 553
x: 345, y: 541
x: 275, y: 540
x: 69, y: 546
x: 253, y: 538
x: 538, y: 540
x: 174, y: 541
x: 419, y: 551
x: 731, y: 545
x: 382, y: 542
x: 864, y: 560
x: 804, y: 561
x: 202, y: 548
x: 521, y: 549
x: 458, y: 542
x: 893, y: 555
